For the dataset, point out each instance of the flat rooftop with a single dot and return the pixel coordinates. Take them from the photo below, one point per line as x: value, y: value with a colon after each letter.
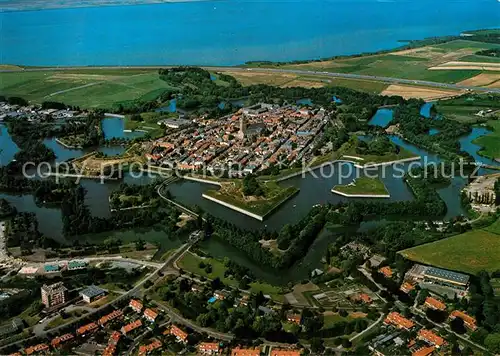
x: 451, y: 276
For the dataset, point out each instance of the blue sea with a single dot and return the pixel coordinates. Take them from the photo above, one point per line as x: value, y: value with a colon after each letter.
x: 230, y: 32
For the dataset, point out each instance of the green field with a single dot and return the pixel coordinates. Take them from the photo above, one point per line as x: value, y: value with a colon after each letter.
x: 84, y: 87
x: 461, y: 44
x: 332, y: 319
x: 274, y: 196
x: 408, y: 66
x: 490, y: 142
x: 363, y: 185
x: 465, y: 108
x: 350, y: 150
x: 360, y: 85
x: 481, y: 59
x: 470, y: 252
x: 191, y: 263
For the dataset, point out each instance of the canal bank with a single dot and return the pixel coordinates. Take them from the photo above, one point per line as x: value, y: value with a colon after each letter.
x: 315, y: 188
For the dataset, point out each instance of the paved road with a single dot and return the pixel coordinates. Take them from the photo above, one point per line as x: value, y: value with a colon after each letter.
x: 176, y: 317
x: 126, y: 295
x: 367, y: 77
x: 447, y: 328
x: 179, y: 206
x: 379, y: 320
x: 291, y: 71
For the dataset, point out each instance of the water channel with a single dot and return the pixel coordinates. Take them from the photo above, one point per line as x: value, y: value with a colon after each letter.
x: 314, y: 189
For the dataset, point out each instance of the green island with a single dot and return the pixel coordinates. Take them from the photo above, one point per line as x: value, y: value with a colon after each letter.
x: 251, y: 195
x: 363, y: 187
x: 375, y: 151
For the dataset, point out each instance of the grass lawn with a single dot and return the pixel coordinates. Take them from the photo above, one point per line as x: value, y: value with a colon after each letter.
x: 350, y: 150
x: 465, y: 114
x: 190, y: 263
x: 470, y: 252
x: 107, y: 299
x: 274, y: 195
x: 60, y: 321
x: 331, y: 319
x: 364, y: 185
x: 490, y: 142
x: 31, y: 314
x: 149, y: 123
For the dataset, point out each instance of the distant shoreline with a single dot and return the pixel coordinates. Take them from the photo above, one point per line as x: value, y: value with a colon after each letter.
x: 34, y: 5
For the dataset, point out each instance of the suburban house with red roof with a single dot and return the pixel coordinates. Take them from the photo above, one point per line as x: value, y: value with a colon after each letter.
x: 136, y: 305
x: 208, y: 348
x: 399, y: 321
x: 131, y: 327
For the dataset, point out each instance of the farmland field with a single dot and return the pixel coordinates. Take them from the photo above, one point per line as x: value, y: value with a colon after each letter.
x: 84, y: 87
x: 409, y: 64
x: 469, y: 252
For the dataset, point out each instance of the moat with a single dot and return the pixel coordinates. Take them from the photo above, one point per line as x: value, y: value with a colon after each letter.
x: 314, y: 189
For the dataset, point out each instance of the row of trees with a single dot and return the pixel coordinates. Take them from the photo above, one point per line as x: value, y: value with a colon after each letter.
x: 416, y: 130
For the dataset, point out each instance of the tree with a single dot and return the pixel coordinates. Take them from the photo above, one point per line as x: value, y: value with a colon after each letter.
x: 317, y: 345
x: 346, y: 343
x: 457, y: 325
x: 492, y: 342
x: 140, y: 244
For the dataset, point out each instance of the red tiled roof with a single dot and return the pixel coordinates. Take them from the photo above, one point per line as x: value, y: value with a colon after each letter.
x: 294, y: 318
x: 468, y: 320
x: 113, y: 315
x: 36, y: 348
x: 431, y: 338
x: 424, y: 351
x: 386, y: 271
x: 86, y: 328
x: 208, y: 346
x: 435, y: 303
x: 174, y: 330
x: 135, y: 304
x: 245, y: 352
x: 407, y: 287
x: 150, y: 314
x: 132, y: 326
x: 58, y: 340
x: 279, y: 352
x: 398, y: 320
x: 109, y: 350
x: 145, y: 349
x: 365, y: 298
x: 115, y: 337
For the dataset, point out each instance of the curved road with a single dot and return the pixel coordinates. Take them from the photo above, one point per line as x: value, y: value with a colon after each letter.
x: 126, y: 295
x: 291, y: 71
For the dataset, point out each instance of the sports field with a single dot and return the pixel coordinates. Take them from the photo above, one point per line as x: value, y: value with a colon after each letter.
x: 470, y: 252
